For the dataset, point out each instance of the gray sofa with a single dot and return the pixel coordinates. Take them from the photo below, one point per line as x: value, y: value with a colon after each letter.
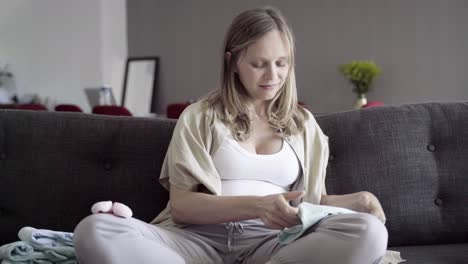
x: 414, y: 158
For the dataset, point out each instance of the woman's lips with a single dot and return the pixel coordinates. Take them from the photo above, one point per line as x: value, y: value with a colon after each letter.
x: 268, y: 86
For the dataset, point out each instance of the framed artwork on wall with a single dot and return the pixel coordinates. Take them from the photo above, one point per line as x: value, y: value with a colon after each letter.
x: 140, y: 85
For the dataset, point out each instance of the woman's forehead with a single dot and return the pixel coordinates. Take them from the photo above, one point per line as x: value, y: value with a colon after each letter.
x: 272, y: 46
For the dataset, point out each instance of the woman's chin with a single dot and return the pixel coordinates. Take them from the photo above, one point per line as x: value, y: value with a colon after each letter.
x: 263, y: 95
x: 264, y: 98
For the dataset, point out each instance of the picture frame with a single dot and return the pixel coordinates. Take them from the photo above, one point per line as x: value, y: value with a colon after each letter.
x: 140, y: 85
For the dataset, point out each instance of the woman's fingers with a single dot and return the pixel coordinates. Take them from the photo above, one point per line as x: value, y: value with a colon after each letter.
x: 286, y: 212
x: 271, y: 223
x: 278, y: 213
x: 294, y: 195
x: 290, y: 218
x: 280, y: 222
x: 275, y: 218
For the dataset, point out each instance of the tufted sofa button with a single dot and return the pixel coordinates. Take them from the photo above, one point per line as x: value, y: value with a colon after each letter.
x: 431, y: 148
x: 2, y: 156
x: 107, y: 166
x: 438, y: 201
x: 331, y: 158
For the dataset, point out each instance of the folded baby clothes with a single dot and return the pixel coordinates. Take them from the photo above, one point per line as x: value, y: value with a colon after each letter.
x: 39, y: 261
x: 39, y: 246
x: 23, y: 252
x: 391, y: 257
x: 32, y: 261
x: 18, y: 251
x: 56, y: 244
x: 45, y: 238
x: 309, y: 214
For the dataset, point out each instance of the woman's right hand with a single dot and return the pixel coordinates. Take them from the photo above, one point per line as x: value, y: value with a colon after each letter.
x: 276, y: 212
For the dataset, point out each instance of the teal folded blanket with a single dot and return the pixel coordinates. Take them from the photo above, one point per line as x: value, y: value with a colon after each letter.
x: 39, y: 246
x: 19, y: 251
x: 54, y: 243
x: 309, y: 214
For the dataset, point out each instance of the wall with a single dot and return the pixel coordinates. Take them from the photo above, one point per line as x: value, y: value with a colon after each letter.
x: 419, y: 44
x: 56, y: 48
x: 114, y: 44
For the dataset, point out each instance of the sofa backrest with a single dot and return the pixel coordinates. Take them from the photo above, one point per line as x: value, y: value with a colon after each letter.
x: 55, y: 165
x: 414, y: 158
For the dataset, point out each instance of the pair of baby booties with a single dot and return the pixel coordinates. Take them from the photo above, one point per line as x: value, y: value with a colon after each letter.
x: 118, y: 209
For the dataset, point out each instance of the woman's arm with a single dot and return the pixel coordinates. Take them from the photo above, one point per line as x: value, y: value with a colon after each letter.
x: 364, y: 202
x: 189, y: 207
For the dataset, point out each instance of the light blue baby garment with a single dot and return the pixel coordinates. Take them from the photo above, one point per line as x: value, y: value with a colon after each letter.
x: 309, y: 214
x: 22, y: 252
x: 56, y: 244
x: 39, y: 246
x: 45, y: 238
x: 18, y: 251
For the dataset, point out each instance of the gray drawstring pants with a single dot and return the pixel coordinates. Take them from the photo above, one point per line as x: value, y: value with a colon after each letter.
x: 343, y: 239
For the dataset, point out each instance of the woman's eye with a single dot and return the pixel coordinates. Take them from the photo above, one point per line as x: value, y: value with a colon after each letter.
x: 281, y: 64
x: 263, y: 64
x: 257, y: 65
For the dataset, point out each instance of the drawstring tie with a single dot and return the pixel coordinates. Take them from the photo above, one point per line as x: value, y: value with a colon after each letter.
x: 233, y: 227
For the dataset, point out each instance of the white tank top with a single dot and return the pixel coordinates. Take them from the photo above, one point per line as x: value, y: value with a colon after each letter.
x: 246, y: 173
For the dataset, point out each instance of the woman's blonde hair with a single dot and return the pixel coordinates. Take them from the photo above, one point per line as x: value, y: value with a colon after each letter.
x: 284, y: 113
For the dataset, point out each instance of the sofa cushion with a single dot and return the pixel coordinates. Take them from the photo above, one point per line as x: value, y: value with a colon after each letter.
x: 413, y: 158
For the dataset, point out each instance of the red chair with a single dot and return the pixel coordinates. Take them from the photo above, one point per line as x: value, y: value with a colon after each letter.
x: 373, y: 104
x: 111, y: 110
x: 34, y: 107
x: 175, y: 110
x: 303, y: 105
x: 68, y: 108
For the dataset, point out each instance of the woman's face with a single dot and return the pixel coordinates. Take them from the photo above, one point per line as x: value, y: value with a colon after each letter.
x: 263, y: 67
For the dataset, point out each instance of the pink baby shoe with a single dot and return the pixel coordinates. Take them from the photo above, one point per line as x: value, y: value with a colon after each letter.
x: 102, y: 207
x: 122, y: 210
x: 118, y: 209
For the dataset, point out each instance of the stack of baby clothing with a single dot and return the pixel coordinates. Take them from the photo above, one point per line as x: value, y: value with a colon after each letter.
x: 39, y: 246
x: 310, y: 214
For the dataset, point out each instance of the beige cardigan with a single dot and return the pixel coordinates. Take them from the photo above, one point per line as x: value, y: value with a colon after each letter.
x: 198, y: 134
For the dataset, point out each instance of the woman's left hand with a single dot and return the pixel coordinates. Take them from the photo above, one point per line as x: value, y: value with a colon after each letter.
x: 364, y: 202
x: 370, y: 204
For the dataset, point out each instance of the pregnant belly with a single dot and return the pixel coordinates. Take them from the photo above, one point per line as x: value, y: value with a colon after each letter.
x: 249, y: 187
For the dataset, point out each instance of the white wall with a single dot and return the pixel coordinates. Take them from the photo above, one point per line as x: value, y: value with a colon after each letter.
x: 56, y: 48
x: 114, y: 44
x: 421, y: 46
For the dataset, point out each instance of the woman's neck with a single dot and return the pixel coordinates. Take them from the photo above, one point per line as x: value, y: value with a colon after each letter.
x: 261, y: 110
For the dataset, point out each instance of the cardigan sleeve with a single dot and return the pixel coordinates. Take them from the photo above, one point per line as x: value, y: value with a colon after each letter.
x: 188, y: 164
x: 316, y: 158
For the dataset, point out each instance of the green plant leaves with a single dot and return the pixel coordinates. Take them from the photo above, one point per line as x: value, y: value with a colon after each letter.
x: 361, y: 74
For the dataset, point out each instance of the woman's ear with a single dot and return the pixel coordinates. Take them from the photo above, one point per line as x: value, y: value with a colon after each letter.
x: 227, y: 58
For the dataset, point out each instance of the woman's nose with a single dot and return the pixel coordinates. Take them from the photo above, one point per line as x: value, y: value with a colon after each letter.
x: 271, y: 72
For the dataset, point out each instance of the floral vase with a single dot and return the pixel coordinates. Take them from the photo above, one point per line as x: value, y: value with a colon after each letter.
x: 360, y: 101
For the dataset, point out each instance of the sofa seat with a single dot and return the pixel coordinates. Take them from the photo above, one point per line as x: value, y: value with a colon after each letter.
x: 434, y: 254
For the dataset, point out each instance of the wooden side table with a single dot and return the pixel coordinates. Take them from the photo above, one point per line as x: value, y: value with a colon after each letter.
x: 7, y: 106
